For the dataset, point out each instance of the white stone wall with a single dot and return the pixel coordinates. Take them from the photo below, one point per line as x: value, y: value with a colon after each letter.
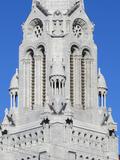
x: 84, y: 143
x: 59, y: 121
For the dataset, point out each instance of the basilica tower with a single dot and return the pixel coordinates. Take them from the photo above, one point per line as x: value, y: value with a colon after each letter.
x: 58, y: 95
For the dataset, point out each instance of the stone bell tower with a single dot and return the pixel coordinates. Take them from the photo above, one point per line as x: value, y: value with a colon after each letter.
x: 58, y: 97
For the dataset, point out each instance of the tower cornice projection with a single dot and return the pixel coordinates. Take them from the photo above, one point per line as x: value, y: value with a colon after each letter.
x: 58, y: 96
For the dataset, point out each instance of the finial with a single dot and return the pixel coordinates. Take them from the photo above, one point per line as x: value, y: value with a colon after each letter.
x: 99, y: 71
x: 110, y: 120
x: 16, y: 70
x: 6, y: 111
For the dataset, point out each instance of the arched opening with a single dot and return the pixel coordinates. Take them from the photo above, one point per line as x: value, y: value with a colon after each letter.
x: 57, y: 83
x: 32, y: 79
x: 74, y: 51
x: 32, y: 76
x: 80, y: 76
x: 71, y: 77
x: 61, y: 86
x: 16, y: 99
x: 102, y: 98
x: 42, y: 70
x: 44, y: 75
x: 53, y: 84
x: 74, y: 78
x: 36, y: 26
x: 12, y: 100
x: 99, y: 99
x: 85, y: 55
x: 78, y: 26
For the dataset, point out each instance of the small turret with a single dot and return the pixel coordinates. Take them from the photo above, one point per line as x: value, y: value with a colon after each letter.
x: 111, y: 123
x: 13, y: 90
x: 57, y: 78
x: 57, y: 83
x: 102, y: 89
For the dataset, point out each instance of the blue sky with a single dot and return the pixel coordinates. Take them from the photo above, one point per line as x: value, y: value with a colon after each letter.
x: 106, y: 16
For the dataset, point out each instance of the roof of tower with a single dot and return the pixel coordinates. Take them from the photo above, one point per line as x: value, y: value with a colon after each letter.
x: 101, y: 80
x: 14, y: 81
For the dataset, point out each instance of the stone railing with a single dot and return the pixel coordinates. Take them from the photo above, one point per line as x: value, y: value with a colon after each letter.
x: 89, y: 140
x: 22, y: 140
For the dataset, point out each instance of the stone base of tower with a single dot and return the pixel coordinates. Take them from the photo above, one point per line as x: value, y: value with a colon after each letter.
x: 59, y: 137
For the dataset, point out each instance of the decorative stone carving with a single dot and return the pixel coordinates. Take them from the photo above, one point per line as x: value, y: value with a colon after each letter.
x: 57, y: 24
x: 79, y: 27
x: 57, y: 104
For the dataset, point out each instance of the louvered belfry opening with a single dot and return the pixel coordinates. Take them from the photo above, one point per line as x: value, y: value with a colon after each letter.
x: 44, y: 75
x: 32, y: 63
x: 71, y: 80
x: 74, y: 62
x: 83, y: 78
x: 72, y: 77
x: 79, y: 61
